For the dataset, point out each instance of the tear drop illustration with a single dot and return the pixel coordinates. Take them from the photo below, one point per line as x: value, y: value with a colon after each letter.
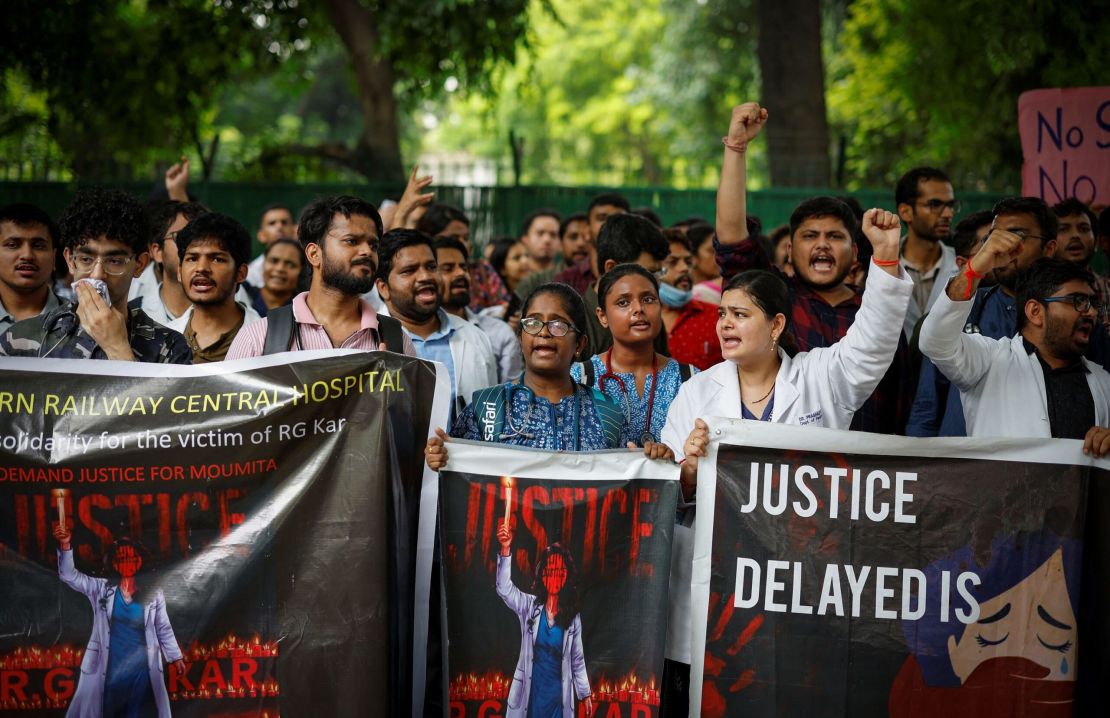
x: 1064, y: 666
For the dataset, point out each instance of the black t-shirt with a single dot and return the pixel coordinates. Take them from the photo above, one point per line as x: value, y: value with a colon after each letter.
x: 1071, y: 407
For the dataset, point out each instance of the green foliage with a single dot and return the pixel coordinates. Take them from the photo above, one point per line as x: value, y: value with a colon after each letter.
x: 620, y: 93
x: 918, y: 82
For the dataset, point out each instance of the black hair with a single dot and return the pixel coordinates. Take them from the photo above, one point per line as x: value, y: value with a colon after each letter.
x: 501, y: 248
x: 1043, y: 279
x: 317, y: 217
x: 674, y: 234
x: 438, y: 216
x: 605, y: 285
x: 162, y: 215
x: 611, y: 199
x: 699, y: 234
x: 778, y: 234
x: 568, y: 596
x: 624, y: 237
x: 272, y: 207
x: 1072, y: 206
x: 767, y: 290
x: 824, y: 207
x: 143, y: 588
x: 963, y: 238
x: 565, y: 224
x: 23, y: 214
x: 1104, y: 221
x: 649, y: 214
x: 690, y: 221
x: 439, y: 243
x: 108, y: 212
x: 231, y: 236
x: 305, y: 275
x: 1029, y: 205
x: 908, y: 188
x: 533, y: 216
x: 393, y: 242
x: 572, y: 303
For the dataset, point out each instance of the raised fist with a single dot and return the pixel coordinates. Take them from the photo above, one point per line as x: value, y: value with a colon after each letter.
x: 884, y: 231
x: 504, y: 537
x: 747, y: 122
x: 999, y: 249
x: 63, y: 535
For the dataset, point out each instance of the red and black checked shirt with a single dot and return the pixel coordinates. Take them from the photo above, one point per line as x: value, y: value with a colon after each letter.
x: 816, y: 323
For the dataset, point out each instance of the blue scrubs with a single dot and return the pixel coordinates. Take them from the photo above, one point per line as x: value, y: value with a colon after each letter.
x: 127, y: 689
x: 545, y: 700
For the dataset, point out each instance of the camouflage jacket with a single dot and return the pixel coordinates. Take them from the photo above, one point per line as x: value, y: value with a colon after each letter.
x: 58, y: 335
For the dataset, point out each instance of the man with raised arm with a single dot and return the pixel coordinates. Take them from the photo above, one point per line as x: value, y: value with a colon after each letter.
x: 1037, y: 382
x: 822, y: 251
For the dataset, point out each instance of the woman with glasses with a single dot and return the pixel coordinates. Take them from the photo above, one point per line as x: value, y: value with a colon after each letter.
x: 631, y: 373
x: 544, y: 408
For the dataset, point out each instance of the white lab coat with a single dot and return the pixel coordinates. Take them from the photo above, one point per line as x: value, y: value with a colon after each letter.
x: 1001, y: 385
x: 472, y: 354
x: 88, y: 700
x: 822, y: 387
x: 945, y: 271
x: 506, y: 346
x: 574, y: 679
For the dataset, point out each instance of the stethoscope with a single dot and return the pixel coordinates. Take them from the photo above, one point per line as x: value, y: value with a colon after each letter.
x: 514, y: 432
x: 647, y: 435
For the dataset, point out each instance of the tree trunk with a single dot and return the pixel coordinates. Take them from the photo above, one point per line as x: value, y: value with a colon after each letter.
x: 378, y: 151
x: 794, y: 91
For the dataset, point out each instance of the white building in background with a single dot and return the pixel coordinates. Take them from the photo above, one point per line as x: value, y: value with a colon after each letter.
x: 459, y: 169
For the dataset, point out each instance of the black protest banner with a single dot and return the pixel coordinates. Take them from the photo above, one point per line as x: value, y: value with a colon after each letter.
x: 844, y: 574
x: 565, y: 605
x: 228, y: 540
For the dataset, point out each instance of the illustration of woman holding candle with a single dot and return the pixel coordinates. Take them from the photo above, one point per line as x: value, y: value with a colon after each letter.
x: 551, y: 670
x: 121, y: 672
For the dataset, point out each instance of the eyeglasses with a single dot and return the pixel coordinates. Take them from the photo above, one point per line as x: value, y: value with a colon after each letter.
x: 1024, y: 234
x: 936, y: 205
x: 114, y: 265
x: 1083, y: 303
x: 556, y: 327
x: 172, y: 236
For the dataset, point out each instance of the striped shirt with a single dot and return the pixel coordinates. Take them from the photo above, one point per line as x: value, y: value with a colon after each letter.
x: 310, y: 334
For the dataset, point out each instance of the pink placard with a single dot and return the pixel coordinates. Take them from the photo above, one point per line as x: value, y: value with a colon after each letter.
x: 1065, y: 140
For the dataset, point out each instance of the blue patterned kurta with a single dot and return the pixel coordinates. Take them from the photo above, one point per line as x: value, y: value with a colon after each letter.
x: 551, y: 426
x: 669, y: 382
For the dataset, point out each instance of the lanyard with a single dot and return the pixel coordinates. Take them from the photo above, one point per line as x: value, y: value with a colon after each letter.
x: 647, y: 435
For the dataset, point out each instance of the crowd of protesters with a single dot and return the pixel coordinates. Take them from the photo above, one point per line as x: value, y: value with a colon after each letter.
x: 604, y: 329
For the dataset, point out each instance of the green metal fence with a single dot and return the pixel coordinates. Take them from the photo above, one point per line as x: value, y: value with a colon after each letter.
x: 493, y: 211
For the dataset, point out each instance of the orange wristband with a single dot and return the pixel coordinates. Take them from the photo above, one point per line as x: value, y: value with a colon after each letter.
x: 971, y: 275
x: 886, y: 262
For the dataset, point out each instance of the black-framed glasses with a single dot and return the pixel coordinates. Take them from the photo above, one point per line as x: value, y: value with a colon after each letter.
x: 114, y: 264
x: 937, y: 205
x: 1083, y: 303
x: 556, y: 327
x: 1025, y: 234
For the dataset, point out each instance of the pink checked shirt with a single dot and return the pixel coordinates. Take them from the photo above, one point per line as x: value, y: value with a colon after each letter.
x: 252, y: 338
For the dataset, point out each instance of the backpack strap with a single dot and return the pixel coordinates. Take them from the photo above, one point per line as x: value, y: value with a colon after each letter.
x: 279, y: 330
x: 389, y: 331
x: 585, y: 373
x: 611, y: 416
x: 685, y: 371
x: 489, y: 409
